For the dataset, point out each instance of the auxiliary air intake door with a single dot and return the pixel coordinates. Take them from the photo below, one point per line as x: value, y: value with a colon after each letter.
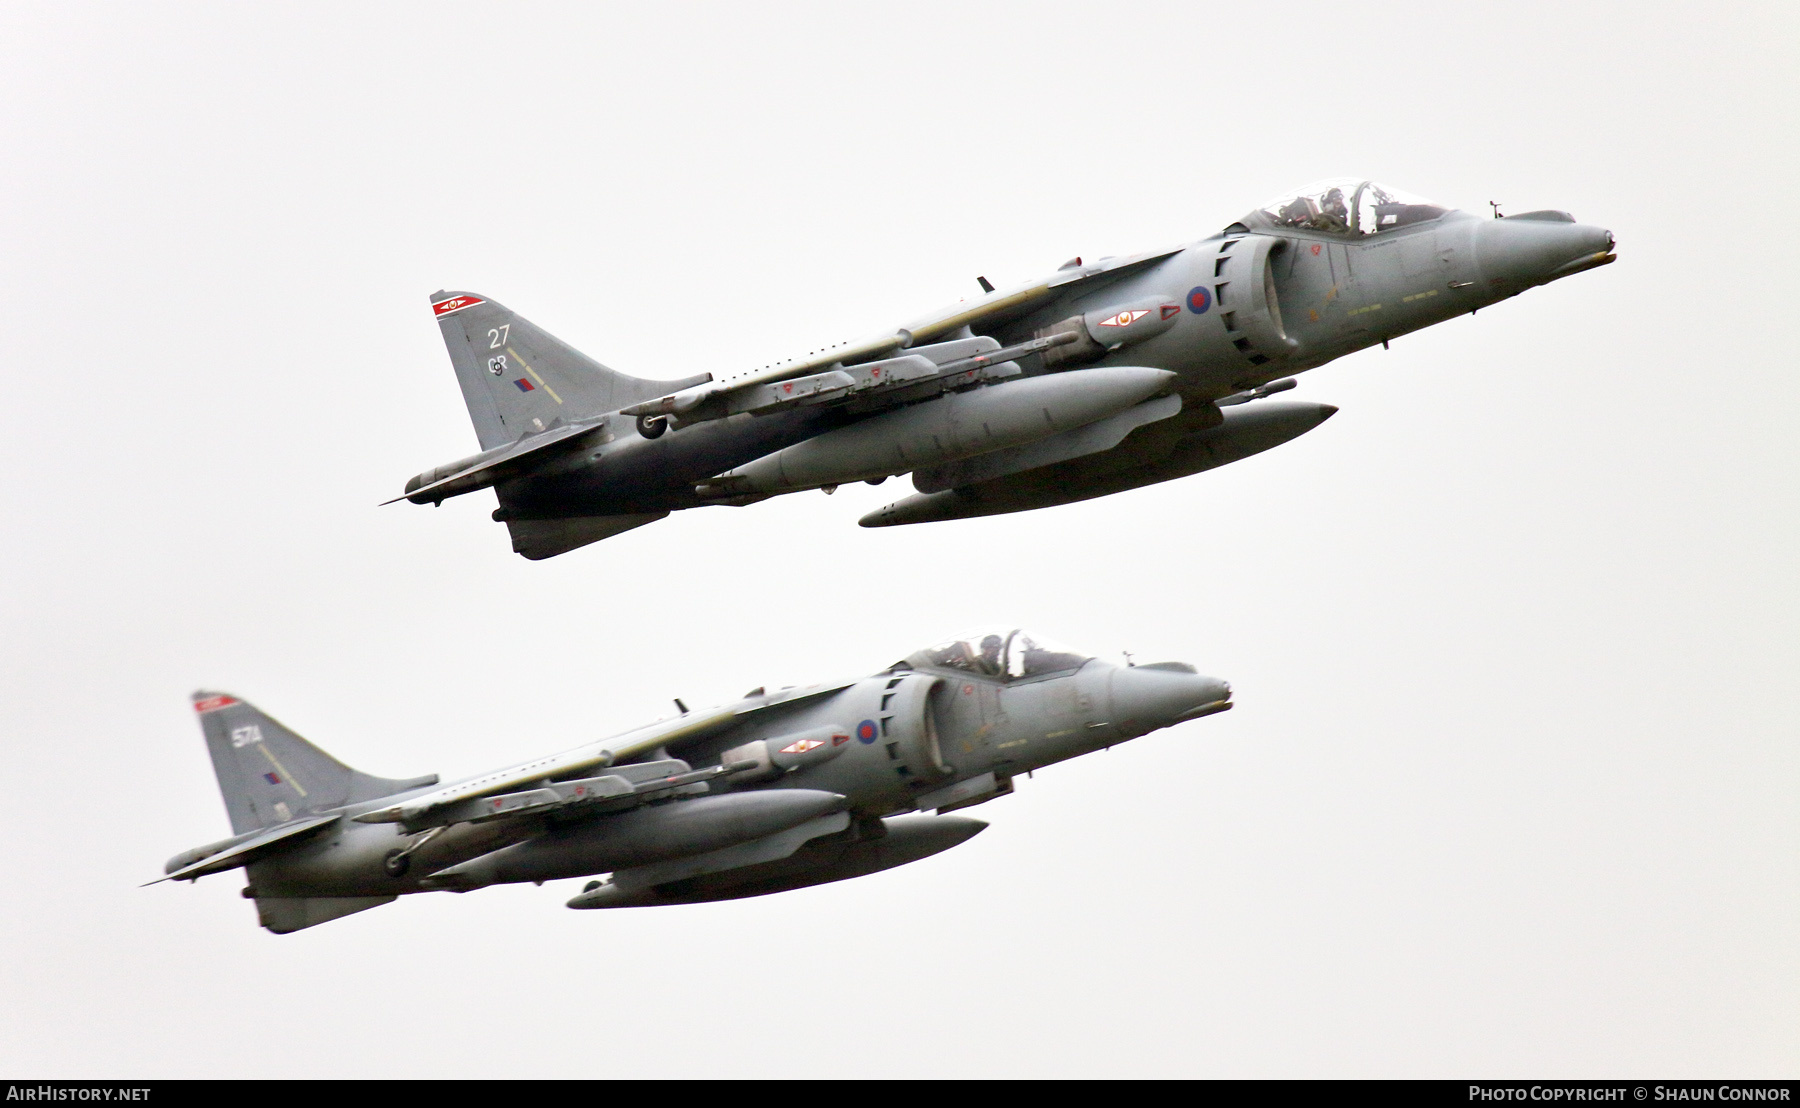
x: 1247, y: 301
x: 908, y: 734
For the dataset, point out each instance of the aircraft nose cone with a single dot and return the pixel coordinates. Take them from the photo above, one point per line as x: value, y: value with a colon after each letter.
x: 1145, y: 698
x: 1524, y: 251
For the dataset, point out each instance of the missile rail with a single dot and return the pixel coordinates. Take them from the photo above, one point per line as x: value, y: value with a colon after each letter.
x: 624, y: 787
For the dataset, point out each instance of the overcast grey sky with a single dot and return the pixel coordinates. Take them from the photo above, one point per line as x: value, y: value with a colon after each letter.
x: 1511, y: 788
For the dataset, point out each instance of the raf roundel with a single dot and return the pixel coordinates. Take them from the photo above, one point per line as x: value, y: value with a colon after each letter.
x: 1199, y: 300
x: 866, y: 730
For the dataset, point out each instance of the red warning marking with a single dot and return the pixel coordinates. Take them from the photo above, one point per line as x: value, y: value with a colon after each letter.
x: 214, y: 703
x: 1170, y: 311
x: 801, y: 746
x: 1125, y: 319
x: 455, y: 304
x: 840, y: 738
x: 1315, y: 249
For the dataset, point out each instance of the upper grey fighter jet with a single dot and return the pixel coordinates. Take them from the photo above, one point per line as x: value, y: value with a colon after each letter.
x: 1101, y: 377
x: 777, y: 791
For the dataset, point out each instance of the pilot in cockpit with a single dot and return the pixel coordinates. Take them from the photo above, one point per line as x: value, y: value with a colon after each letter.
x: 1344, y: 205
x: 1334, y: 213
x: 1329, y: 212
x: 991, y: 646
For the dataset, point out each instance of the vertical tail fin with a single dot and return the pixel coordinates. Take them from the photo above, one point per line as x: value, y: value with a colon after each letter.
x: 518, y: 379
x: 270, y: 775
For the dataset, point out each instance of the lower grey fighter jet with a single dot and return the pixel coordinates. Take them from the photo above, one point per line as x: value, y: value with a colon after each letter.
x: 1101, y: 377
x: 777, y: 791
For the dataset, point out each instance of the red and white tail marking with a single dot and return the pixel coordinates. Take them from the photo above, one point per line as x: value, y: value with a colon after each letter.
x: 455, y: 304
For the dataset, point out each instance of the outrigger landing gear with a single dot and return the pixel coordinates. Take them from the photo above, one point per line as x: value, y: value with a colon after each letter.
x: 652, y: 426
x: 399, y: 860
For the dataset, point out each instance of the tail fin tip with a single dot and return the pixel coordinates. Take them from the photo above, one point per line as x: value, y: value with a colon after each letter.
x: 269, y: 775
x: 518, y: 379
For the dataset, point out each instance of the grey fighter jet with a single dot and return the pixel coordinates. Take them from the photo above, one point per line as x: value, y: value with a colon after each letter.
x: 1101, y: 377
x: 777, y: 791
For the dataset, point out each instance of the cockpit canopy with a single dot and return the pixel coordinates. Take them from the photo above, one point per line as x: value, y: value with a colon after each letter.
x: 1008, y: 655
x: 1347, y: 206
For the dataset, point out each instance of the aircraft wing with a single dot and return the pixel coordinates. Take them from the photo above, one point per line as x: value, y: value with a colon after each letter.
x: 666, y: 733
x: 247, y: 850
x: 824, y: 371
x: 998, y: 308
x: 787, y: 698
